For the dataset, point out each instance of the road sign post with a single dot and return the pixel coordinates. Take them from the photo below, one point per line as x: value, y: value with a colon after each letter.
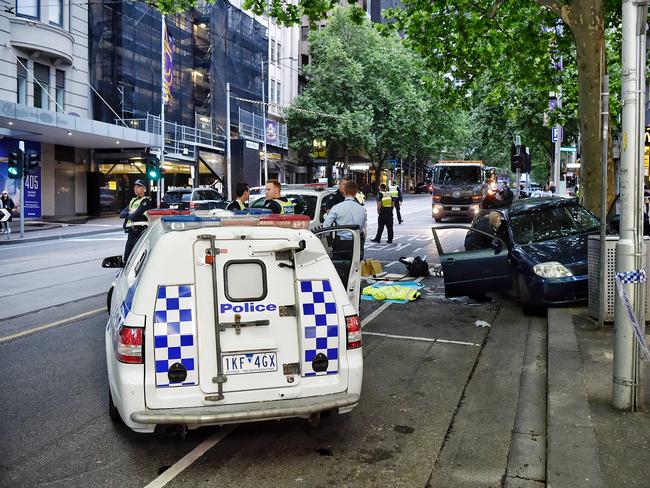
x: 21, y: 146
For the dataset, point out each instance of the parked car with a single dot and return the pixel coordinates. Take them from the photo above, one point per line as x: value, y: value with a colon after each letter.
x: 540, y: 252
x: 201, y: 198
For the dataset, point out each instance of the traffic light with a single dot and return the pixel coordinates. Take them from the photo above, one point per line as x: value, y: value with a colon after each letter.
x: 518, y: 158
x: 31, y: 162
x: 15, y: 165
x: 153, y: 166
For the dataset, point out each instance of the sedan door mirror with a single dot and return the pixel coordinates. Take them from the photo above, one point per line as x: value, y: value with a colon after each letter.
x: 113, y: 262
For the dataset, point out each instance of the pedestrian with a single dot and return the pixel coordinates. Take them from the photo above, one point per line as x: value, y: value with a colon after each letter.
x: 242, y: 192
x: 274, y: 201
x: 339, y: 196
x: 396, y: 195
x: 135, y: 220
x: 348, y: 212
x: 384, y: 214
x: 7, y: 204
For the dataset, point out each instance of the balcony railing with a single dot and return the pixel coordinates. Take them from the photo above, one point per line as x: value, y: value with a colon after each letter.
x: 251, y: 126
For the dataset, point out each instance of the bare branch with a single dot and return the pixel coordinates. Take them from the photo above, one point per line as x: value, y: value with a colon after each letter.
x: 559, y: 9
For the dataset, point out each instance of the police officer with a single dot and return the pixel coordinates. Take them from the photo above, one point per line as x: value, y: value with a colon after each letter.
x: 384, y: 214
x: 135, y: 220
x: 274, y: 202
x: 348, y: 212
x: 242, y: 193
x: 396, y: 195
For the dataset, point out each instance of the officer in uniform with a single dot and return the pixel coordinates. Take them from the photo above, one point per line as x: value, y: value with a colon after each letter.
x: 348, y: 212
x: 384, y: 214
x: 274, y: 202
x: 135, y: 220
x: 396, y: 195
x: 241, y: 201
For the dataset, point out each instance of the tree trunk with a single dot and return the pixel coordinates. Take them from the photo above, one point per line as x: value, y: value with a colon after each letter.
x: 586, y: 20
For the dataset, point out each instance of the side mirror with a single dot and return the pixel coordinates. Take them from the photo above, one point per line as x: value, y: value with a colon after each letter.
x: 497, y: 246
x: 113, y: 262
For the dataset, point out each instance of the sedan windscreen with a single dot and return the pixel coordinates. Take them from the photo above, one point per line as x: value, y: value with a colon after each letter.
x: 544, y: 223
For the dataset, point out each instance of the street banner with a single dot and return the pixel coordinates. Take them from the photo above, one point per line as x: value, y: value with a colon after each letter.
x: 168, y: 65
x: 272, y: 132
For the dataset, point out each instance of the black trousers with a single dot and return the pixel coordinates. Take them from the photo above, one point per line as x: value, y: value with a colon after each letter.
x: 133, y: 234
x: 385, y: 219
x: 396, y: 204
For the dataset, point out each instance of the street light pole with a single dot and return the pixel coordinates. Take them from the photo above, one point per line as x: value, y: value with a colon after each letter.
x: 629, y: 248
x: 228, y: 153
x: 266, y: 168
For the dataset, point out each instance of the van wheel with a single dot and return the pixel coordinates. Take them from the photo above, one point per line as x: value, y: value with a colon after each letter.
x: 113, y: 413
x: 314, y: 419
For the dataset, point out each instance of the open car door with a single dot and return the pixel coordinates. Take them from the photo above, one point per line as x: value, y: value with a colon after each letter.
x: 475, y: 271
x: 343, y: 245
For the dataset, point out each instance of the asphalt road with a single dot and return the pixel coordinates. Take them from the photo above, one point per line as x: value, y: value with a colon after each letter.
x: 438, y: 405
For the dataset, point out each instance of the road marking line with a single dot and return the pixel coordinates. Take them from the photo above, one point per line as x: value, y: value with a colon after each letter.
x: 383, y: 307
x: 423, y: 339
x: 391, y: 263
x: 53, y: 324
x: 190, y: 457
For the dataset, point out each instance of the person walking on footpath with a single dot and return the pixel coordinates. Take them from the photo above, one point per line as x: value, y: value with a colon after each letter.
x: 396, y: 195
x: 348, y: 212
x: 384, y: 214
x: 135, y: 219
x: 242, y: 193
x: 7, y: 204
x: 274, y: 201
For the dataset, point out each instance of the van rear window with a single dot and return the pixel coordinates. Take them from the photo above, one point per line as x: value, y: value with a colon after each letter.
x: 245, y: 280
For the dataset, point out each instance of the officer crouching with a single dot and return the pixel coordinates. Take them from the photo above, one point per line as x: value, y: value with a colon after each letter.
x: 135, y: 220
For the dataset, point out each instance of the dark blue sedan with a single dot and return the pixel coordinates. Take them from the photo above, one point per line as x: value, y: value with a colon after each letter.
x: 539, y: 250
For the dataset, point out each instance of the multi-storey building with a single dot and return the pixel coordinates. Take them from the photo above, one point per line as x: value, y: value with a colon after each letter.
x: 45, y: 103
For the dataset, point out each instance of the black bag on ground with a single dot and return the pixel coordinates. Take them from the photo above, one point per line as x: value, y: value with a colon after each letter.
x: 416, y: 266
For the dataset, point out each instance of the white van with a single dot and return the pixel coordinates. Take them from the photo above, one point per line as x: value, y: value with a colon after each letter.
x: 234, y: 319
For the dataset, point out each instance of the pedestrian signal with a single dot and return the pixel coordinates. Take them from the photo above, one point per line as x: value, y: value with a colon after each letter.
x: 31, y: 162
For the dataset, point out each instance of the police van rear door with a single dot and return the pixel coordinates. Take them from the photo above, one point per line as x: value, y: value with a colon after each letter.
x: 256, y: 314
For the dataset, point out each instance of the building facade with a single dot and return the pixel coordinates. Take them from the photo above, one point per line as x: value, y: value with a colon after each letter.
x: 45, y: 104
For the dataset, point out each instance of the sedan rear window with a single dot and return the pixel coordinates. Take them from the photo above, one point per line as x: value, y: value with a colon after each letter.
x: 176, y: 197
x: 544, y: 223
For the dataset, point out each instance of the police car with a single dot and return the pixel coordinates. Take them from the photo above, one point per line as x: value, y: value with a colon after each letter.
x: 311, y: 199
x: 233, y: 319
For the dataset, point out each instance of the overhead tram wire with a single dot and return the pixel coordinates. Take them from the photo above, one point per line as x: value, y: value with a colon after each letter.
x: 313, y: 112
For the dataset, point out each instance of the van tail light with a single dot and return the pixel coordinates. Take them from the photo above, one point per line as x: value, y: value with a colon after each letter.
x: 354, y: 331
x: 129, y: 345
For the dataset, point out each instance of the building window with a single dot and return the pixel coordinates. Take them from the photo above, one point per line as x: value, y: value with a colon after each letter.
x: 278, y: 93
x: 304, y: 32
x: 60, y: 90
x: 272, y: 94
x: 56, y: 12
x: 21, y: 81
x: 41, y: 85
x: 278, y: 51
x: 28, y: 8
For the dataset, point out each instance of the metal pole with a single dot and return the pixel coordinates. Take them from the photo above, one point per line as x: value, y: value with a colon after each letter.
x: 630, y: 245
x: 163, y: 102
x: 602, y: 286
x: 21, y: 146
x: 266, y: 168
x: 228, y: 153
x: 517, y: 179
x: 558, y: 146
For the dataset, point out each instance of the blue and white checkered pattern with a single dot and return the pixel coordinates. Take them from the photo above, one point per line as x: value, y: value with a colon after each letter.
x: 636, y: 276
x: 175, y: 334
x: 320, y: 325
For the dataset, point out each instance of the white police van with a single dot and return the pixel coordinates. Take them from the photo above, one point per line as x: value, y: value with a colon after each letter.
x: 233, y: 319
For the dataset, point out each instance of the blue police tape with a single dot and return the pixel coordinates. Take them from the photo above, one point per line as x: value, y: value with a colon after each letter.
x: 627, y: 278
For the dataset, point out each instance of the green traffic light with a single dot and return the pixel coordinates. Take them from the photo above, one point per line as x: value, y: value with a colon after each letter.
x: 13, y: 171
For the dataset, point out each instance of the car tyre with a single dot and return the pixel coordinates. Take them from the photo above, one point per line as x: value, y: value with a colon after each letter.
x: 527, y: 304
x: 113, y: 412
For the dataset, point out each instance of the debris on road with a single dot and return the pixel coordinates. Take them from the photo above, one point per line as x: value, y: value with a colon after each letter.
x: 482, y: 324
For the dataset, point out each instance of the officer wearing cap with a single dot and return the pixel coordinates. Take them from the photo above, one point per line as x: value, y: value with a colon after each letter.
x: 135, y: 220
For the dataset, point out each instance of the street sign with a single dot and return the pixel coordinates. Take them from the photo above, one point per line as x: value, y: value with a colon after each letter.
x: 5, y: 215
x: 568, y: 149
x: 557, y: 132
